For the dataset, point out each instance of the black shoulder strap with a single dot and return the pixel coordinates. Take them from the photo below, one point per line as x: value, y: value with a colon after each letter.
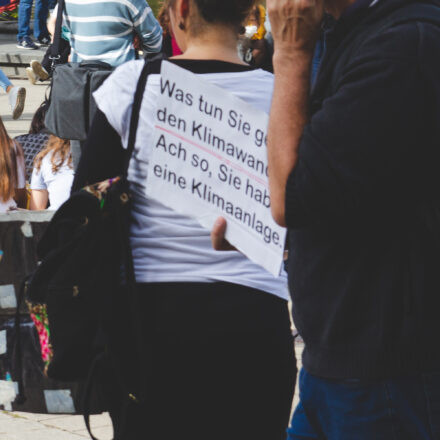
x: 55, y: 49
x: 150, y: 66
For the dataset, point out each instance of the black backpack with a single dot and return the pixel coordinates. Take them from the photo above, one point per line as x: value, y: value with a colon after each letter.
x: 84, y: 254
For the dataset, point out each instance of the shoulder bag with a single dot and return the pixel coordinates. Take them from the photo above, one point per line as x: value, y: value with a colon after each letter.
x: 72, y: 106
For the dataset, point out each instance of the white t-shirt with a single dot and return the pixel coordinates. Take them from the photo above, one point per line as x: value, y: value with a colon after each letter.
x: 57, y: 184
x: 169, y: 247
x: 21, y: 183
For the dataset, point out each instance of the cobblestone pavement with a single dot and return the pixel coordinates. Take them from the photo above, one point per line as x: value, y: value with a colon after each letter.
x: 25, y: 426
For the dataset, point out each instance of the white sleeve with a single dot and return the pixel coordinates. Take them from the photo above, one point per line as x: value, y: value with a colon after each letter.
x: 116, y: 95
x: 37, y: 181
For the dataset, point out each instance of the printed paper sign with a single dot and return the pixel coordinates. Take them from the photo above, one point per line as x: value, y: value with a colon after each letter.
x: 209, y: 159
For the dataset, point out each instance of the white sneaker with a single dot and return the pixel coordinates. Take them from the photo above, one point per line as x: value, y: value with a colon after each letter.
x: 33, y: 78
x: 39, y: 70
x: 17, y: 97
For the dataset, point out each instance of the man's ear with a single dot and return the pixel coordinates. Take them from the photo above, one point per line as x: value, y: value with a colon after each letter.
x: 184, y: 9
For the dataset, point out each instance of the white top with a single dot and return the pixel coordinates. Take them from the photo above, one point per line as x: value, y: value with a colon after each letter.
x: 168, y: 247
x: 21, y: 183
x: 57, y: 184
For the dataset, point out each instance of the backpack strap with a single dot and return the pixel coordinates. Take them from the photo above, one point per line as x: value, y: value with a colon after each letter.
x: 18, y: 352
x: 55, y: 53
x: 151, y: 66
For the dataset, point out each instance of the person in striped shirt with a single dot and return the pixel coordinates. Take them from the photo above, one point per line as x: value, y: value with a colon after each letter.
x: 104, y: 30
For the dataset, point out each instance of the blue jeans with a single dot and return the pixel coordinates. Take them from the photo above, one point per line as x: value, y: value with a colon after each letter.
x: 40, y: 18
x: 4, y: 81
x: 406, y: 408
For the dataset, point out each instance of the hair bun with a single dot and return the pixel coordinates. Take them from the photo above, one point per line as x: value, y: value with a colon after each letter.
x: 229, y: 12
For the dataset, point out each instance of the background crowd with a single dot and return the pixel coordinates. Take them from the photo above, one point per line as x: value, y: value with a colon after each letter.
x: 352, y: 153
x: 137, y: 37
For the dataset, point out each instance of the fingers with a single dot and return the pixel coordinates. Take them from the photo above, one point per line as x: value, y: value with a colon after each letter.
x: 218, y: 233
x: 218, y: 240
x: 295, y: 23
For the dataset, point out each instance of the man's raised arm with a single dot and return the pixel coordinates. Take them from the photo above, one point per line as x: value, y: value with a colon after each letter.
x: 295, y: 29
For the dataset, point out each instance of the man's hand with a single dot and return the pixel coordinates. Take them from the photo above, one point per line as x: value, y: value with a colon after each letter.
x: 219, y: 243
x: 295, y: 24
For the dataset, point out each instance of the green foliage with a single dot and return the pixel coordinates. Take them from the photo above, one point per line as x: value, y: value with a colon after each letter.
x: 155, y: 5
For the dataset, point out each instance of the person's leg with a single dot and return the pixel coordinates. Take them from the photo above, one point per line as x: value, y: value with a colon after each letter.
x: 301, y: 427
x: 416, y: 402
x: 40, y: 19
x: 16, y: 95
x: 24, y: 17
x: 398, y: 409
x: 431, y: 386
x: 218, y: 364
x: 5, y: 83
x: 227, y: 368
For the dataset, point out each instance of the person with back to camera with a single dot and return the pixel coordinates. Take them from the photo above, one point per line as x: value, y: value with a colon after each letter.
x: 12, y: 179
x: 353, y: 174
x: 34, y: 141
x: 220, y: 361
x: 52, y: 176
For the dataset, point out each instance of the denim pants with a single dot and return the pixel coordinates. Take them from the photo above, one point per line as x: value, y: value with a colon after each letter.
x: 40, y: 18
x: 4, y: 81
x: 406, y: 408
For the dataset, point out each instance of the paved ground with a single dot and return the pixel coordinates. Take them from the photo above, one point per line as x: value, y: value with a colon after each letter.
x: 24, y: 426
x: 13, y: 60
x: 34, y: 97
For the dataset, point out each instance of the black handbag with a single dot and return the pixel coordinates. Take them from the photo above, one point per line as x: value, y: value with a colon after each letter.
x: 72, y: 105
x: 78, y: 281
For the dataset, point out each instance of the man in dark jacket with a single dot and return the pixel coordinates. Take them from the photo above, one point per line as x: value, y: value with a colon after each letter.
x: 353, y: 170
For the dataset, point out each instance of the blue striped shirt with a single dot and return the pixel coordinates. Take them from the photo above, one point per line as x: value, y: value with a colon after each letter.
x: 104, y: 29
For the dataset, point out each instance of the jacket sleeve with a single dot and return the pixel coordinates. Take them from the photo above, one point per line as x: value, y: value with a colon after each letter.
x: 147, y: 27
x: 358, y: 151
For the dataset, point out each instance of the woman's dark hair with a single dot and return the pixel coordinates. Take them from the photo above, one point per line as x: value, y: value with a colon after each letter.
x: 163, y: 18
x: 37, y: 123
x: 228, y: 12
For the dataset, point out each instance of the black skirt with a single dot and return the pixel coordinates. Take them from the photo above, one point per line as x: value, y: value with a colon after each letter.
x: 218, y: 363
